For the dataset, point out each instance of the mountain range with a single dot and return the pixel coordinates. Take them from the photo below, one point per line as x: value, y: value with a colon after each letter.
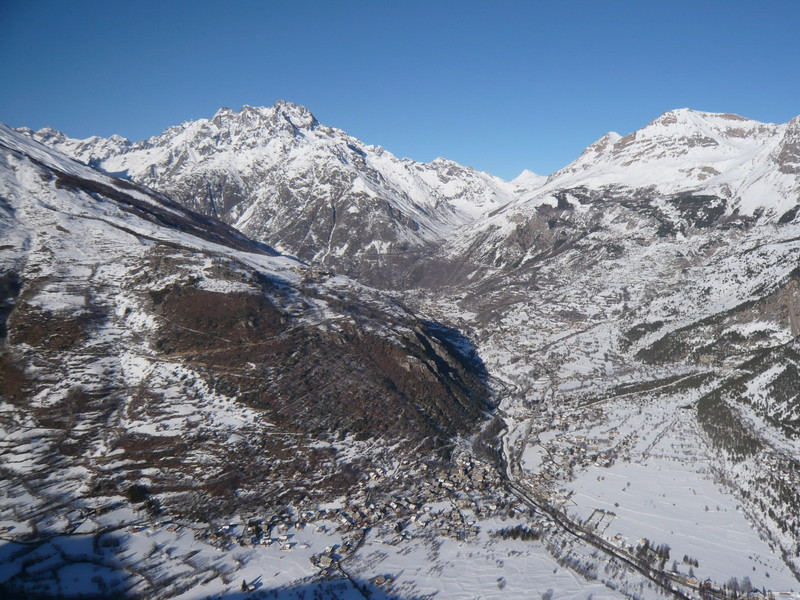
x: 259, y: 289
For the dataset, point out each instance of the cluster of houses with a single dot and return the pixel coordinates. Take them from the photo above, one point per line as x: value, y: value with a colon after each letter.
x: 469, y: 484
x: 571, y: 450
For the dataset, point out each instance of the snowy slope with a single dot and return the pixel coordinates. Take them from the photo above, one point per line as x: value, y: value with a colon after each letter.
x: 684, y: 172
x: 154, y: 359
x: 751, y: 164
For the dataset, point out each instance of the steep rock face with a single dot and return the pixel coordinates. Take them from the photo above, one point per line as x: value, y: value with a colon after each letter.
x: 787, y: 155
x: 277, y: 174
x: 146, y: 345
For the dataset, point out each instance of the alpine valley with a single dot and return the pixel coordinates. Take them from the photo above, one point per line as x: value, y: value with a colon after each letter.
x: 254, y: 357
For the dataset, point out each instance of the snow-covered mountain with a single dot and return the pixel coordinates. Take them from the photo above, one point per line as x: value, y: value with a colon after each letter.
x: 281, y: 177
x: 638, y: 311
x: 278, y: 174
x: 151, y: 352
x: 751, y: 165
x: 685, y: 171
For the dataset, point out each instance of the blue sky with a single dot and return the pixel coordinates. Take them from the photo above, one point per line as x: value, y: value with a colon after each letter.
x: 499, y: 85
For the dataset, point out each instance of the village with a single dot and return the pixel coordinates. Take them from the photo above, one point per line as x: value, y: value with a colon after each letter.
x: 439, y: 501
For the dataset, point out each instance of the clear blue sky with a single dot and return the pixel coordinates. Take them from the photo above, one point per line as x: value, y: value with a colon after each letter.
x: 499, y: 85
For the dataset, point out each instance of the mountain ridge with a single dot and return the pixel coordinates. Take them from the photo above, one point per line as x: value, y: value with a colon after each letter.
x: 276, y: 173
x: 686, y: 150
x: 745, y: 162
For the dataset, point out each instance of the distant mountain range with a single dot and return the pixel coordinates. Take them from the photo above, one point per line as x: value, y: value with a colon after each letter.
x: 279, y: 176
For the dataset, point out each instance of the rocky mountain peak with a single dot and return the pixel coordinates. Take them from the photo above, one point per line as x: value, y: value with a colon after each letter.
x: 277, y: 174
x: 253, y: 120
x: 692, y: 124
x: 299, y: 115
x: 46, y: 133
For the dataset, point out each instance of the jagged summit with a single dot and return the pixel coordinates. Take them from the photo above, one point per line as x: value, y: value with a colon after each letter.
x: 253, y: 118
